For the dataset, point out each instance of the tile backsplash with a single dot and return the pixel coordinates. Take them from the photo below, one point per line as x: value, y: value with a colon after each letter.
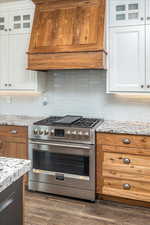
x: 79, y: 92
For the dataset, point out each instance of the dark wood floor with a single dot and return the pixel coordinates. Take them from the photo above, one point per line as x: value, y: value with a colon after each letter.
x: 43, y: 209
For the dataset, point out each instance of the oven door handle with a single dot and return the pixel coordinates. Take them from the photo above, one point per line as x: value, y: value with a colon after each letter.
x: 60, y: 145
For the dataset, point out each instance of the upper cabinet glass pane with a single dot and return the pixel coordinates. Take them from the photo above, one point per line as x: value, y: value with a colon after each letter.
x: 120, y: 17
x: 2, y: 27
x: 17, y: 18
x: 2, y: 19
x: 120, y: 8
x: 26, y: 17
x: 132, y: 16
x: 133, y: 6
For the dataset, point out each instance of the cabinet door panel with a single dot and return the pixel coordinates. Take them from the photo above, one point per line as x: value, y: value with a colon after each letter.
x: 4, y: 62
x: 147, y: 12
x: 148, y: 57
x: 127, y: 59
x: 19, y: 77
x: 126, y: 12
x: 68, y: 27
x: 57, y: 27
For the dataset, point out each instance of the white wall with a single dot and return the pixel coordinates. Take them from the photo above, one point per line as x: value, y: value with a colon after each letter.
x: 79, y: 92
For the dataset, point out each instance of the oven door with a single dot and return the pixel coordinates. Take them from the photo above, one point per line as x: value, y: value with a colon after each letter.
x: 64, y: 164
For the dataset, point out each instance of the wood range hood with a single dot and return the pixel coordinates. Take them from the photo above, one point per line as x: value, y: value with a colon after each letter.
x: 67, y: 34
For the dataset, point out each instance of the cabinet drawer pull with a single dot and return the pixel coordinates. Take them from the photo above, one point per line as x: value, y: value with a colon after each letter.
x: 148, y: 18
x: 126, y: 161
x: 126, y: 186
x: 13, y: 132
x: 126, y: 141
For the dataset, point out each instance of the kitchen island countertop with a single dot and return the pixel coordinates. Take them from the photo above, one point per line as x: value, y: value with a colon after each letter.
x: 11, y: 170
x: 124, y: 127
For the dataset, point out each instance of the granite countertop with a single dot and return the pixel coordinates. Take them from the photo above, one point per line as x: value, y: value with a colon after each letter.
x: 18, y: 120
x: 12, y: 169
x: 124, y: 127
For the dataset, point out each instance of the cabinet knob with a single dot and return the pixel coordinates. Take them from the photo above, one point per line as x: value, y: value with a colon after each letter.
x: 126, y: 141
x: 5, y: 30
x: 13, y: 132
x: 148, y: 86
x: 9, y: 85
x: 142, y: 18
x: 148, y: 18
x: 142, y: 86
x: 5, y: 85
x: 126, y: 161
x: 126, y: 186
x: 9, y: 29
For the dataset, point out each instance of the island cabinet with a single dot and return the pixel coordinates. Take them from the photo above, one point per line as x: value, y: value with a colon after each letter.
x: 123, y: 166
x: 13, y: 142
x: 11, y: 204
x: 67, y: 34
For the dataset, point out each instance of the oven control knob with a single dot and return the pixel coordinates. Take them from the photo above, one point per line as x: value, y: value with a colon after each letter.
x: 52, y: 132
x: 41, y: 132
x: 68, y: 132
x: 80, y: 133
x: 74, y: 132
x: 86, y: 133
x: 46, y: 132
x: 35, y: 131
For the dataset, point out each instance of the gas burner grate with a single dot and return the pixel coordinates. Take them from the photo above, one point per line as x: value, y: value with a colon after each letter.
x: 86, y: 122
x: 48, y: 121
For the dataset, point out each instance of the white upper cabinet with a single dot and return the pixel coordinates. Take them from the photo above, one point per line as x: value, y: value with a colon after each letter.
x: 128, y: 47
x: 127, y: 59
x: 15, y: 27
x: 19, y: 34
x: 126, y: 12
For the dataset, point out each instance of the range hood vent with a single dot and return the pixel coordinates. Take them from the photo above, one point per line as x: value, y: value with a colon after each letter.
x: 67, y: 34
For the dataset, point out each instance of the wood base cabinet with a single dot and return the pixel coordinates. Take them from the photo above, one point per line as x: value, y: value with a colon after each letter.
x: 123, y: 168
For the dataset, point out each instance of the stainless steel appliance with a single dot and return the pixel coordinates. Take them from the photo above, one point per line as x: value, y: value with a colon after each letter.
x: 62, y: 150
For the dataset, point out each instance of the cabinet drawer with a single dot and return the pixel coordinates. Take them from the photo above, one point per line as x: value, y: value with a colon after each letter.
x: 124, y: 140
x: 126, y: 189
x: 126, y: 166
x: 14, y: 131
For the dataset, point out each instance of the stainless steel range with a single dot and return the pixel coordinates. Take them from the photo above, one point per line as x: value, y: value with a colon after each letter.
x: 62, y: 150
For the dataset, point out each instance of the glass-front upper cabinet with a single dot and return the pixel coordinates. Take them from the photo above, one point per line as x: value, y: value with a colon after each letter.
x: 126, y: 12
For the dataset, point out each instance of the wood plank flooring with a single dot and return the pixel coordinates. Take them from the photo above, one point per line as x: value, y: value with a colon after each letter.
x: 44, y: 209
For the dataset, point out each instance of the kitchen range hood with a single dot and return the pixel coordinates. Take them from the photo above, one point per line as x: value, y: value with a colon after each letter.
x: 67, y: 34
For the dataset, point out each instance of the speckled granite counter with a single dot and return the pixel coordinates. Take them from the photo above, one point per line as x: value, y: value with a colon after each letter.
x: 18, y: 120
x: 124, y: 127
x: 11, y: 170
